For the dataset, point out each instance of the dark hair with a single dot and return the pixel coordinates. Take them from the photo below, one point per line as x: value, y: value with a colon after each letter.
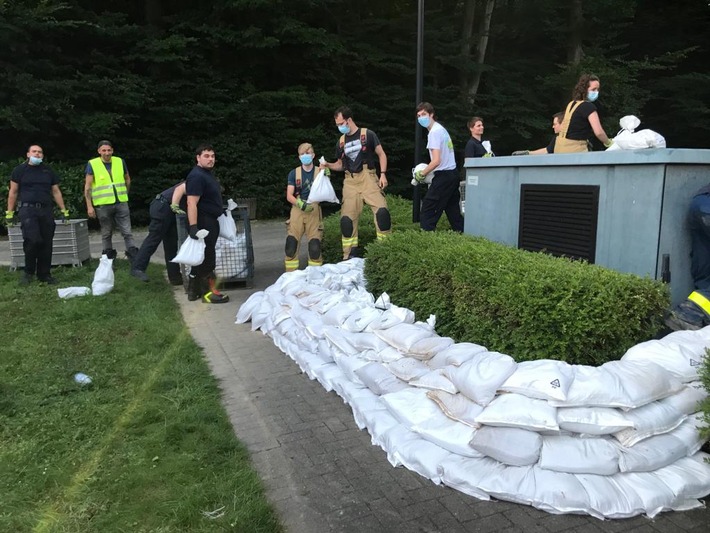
x: 104, y: 143
x: 345, y: 111
x: 34, y: 144
x: 580, y: 90
x: 472, y: 122
x: 426, y: 106
x: 203, y: 148
x: 559, y: 116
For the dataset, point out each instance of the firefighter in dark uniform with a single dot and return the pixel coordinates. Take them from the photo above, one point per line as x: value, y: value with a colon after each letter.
x: 33, y: 185
x: 357, y: 153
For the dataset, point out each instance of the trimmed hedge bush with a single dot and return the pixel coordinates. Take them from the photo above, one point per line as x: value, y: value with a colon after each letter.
x: 705, y: 406
x: 528, y: 305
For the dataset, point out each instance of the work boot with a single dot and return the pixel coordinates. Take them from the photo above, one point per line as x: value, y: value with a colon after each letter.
x: 139, y: 274
x: 175, y: 281
x: 110, y: 253
x: 213, y: 296
x: 131, y: 253
x: 48, y: 279
x: 193, y: 288
x: 26, y: 279
x: 676, y: 322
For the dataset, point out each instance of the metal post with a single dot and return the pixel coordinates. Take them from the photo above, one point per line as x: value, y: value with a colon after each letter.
x: 416, y: 196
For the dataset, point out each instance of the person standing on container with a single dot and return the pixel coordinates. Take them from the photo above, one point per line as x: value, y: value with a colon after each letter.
x: 305, y: 217
x: 443, y: 195
x: 33, y: 186
x: 204, y: 206
x: 106, y: 192
x: 581, y: 119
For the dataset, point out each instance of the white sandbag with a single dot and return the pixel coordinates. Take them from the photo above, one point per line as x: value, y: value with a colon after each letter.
x: 651, y: 454
x: 690, y: 433
x: 227, y: 226
x: 688, y: 477
x: 407, y: 368
x: 448, y: 434
x: 363, y: 406
x: 456, y: 354
x: 544, y: 379
x: 464, y: 474
x: 677, y: 358
x: 688, y: 399
x: 608, y: 499
x: 592, y: 420
x: 428, y: 347
x: 247, y: 308
x: 338, y: 339
x: 655, y: 497
x: 510, y: 483
x: 360, y: 319
x: 518, y: 411
x: 457, y: 407
x: 231, y: 258
x: 337, y: 315
x: 403, y: 336
x: 479, y: 377
x: 192, y: 251
x: 561, y: 493
x: 653, y: 419
x: 378, y: 423
x: 510, y: 446
x: 322, y: 190
x: 73, y: 292
x: 419, y: 168
x: 578, y: 455
x: 325, y: 373
x: 349, y: 365
x: 387, y: 355
x: 417, y: 454
x: 434, y: 380
x: 365, y: 341
x: 385, y: 320
x: 410, y: 406
x: 103, y: 277
x: 379, y: 380
x: 639, y: 140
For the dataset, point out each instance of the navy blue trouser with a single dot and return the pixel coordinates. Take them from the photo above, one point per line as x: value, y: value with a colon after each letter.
x: 37, y: 233
x: 162, y: 227
x: 443, y: 196
x: 699, y: 223
x: 210, y: 223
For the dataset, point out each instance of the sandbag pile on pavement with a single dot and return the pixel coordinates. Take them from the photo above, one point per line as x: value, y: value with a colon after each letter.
x: 613, y: 441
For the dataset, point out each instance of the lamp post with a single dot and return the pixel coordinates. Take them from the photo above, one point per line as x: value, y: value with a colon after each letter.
x: 416, y: 196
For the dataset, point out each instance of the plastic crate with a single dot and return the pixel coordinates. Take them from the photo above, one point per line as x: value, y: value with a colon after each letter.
x: 234, y: 261
x: 70, y: 245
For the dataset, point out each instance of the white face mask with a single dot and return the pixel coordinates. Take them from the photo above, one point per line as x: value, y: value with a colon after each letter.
x: 35, y: 160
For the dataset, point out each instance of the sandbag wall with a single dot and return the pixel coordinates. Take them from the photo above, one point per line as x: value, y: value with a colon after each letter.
x: 613, y: 441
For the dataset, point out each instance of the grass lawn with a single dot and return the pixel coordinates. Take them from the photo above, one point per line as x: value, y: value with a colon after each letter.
x: 146, y: 447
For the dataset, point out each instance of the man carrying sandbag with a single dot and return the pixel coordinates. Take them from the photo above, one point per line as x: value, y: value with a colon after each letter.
x: 305, y: 217
x: 204, y: 206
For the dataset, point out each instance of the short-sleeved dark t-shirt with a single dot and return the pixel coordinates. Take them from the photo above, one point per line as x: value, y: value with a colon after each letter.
x: 474, y: 148
x: 353, y: 156
x: 551, y: 146
x: 35, y: 183
x: 167, y: 194
x: 579, y: 128
x: 201, y: 182
x: 307, y: 177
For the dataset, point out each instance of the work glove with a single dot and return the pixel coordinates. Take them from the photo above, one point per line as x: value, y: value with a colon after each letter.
x: 193, y: 229
x: 303, y: 206
x: 521, y: 152
x: 65, y: 215
x: 488, y: 154
x: 175, y: 208
x: 608, y: 143
x: 10, y: 219
x: 419, y: 176
x: 326, y: 171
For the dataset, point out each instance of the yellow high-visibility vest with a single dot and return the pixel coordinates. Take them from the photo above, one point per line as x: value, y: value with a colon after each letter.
x: 102, y: 190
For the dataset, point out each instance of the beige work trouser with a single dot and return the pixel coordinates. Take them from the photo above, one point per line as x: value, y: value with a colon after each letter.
x: 310, y: 224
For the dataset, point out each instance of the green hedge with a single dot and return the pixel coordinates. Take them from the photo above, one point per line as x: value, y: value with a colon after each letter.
x: 528, y: 305
x: 705, y: 406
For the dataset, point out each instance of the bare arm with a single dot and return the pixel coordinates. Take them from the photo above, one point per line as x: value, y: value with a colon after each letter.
x: 127, y: 179
x: 435, y: 155
x: 383, y: 165
x: 12, y: 196
x: 178, y: 193
x: 597, y: 129
x: 539, y: 151
x: 192, y: 202
x: 88, y: 183
x: 290, y: 189
x: 57, y: 195
x: 337, y: 166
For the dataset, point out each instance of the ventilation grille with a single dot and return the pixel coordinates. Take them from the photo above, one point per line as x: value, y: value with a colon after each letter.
x: 559, y: 220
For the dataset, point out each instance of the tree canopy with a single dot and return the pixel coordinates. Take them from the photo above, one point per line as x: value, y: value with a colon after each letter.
x: 255, y: 78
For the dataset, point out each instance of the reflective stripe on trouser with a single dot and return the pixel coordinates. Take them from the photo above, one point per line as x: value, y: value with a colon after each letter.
x: 300, y: 223
x: 701, y: 301
x: 359, y: 189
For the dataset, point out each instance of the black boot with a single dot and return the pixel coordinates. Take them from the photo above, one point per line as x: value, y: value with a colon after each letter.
x: 110, y: 253
x: 211, y: 294
x: 194, y: 288
x: 131, y: 254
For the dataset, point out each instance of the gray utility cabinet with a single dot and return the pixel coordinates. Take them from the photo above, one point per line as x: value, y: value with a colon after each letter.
x: 625, y: 210
x: 70, y: 245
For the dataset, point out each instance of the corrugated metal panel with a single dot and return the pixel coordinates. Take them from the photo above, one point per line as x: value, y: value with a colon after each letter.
x: 559, y: 220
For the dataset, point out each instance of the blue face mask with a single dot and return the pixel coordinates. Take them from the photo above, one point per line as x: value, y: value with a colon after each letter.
x: 306, y: 159
x: 424, y: 121
x: 35, y: 160
x: 592, y: 95
x: 343, y: 128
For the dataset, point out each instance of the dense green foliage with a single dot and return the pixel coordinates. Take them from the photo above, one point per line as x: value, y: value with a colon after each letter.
x: 528, y: 305
x: 705, y: 406
x: 148, y: 447
x: 258, y: 77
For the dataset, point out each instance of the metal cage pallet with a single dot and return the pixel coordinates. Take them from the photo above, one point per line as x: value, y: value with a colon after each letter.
x: 70, y: 245
x: 234, y: 260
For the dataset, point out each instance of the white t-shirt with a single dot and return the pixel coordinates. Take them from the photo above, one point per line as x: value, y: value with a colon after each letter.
x: 439, y: 139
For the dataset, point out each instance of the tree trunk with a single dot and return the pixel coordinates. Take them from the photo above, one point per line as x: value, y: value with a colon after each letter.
x: 576, y: 27
x: 466, y: 39
x: 481, y: 49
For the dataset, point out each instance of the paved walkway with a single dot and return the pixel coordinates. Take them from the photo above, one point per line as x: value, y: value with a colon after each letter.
x: 321, y: 472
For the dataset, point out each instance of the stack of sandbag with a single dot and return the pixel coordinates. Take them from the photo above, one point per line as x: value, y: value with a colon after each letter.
x: 629, y: 139
x: 613, y: 441
x: 231, y: 257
